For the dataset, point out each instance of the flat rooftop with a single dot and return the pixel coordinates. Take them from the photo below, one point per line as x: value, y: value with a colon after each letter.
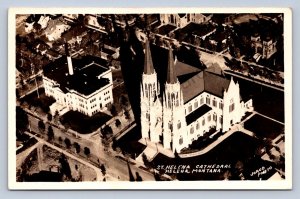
x: 190, y: 118
x: 85, y: 78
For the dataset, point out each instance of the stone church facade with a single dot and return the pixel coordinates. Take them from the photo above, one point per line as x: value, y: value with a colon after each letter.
x: 187, y: 108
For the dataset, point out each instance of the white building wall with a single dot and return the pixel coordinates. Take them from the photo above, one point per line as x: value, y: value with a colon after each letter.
x: 151, y: 108
x: 88, y: 105
x: 174, y: 134
x: 232, y: 96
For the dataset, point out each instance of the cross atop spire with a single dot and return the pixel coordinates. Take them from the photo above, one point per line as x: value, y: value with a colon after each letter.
x: 148, y: 64
x: 171, y: 76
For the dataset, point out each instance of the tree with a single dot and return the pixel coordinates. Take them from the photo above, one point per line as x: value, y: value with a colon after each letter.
x: 107, y: 130
x: 60, y: 140
x: 145, y: 160
x: 138, y: 177
x: 118, y: 123
x: 21, y: 119
x: 50, y: 133
x: 41, y: 125
x: 113, y: 110
x: 77, y: 147
x: 87, y: 151
x: 64, y: 166
x: 56, y: 117
x: 114, y: 144
x: 127, y: 115
x: 123, y: 101
x: 49, y: 117
x: 103, y: 169
x: 68, y: 143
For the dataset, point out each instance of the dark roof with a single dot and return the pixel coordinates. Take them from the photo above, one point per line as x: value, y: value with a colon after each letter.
x: 148, y: 64
x: 193, y: 81
x: 204, y: 81
x: 85, y: 79
x: 197, y: 114
x: 171, y: 76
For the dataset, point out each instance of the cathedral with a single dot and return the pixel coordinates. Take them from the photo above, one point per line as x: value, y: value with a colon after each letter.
x: 192, y: 102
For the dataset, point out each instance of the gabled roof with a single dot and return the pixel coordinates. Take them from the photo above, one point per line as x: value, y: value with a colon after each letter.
x: 184, y: 69
x: 204, y: 82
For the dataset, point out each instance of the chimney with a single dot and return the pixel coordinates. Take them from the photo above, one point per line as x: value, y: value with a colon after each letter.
x: 69, y: 59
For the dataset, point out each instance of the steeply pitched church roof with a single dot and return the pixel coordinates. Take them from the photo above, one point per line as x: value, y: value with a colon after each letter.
x: 148, y: 64
x: 192, y: 80
x: 204, y: 81
x: 171, y: 76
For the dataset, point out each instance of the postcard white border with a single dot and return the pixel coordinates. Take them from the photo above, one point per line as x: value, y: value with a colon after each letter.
x: 168, y: 185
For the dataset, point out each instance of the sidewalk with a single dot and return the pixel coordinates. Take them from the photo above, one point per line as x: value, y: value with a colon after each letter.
x: 152, y: 149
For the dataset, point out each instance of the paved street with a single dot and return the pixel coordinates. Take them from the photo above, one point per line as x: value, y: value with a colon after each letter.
x: 116, y: 168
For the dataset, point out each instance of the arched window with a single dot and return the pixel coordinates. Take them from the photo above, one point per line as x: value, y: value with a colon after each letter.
x: 197, y: 125
x: 172, y: 19
x: 170, y: 126
x: 180, y: 140
x: 208, y: 117
x: 214, y: 102
x: 190, y: 108
x: 173, y: 98
x: 178, y: 125
x: 192, y: 130
x: 201, y: 101
x: 221, y: 105
x: 207, y: 99
x: 221, y: 119
x: 150, y: 89
x: 215, y: 117
x: 196, y: 104
x: 203, y: 122
x: 231, y: 107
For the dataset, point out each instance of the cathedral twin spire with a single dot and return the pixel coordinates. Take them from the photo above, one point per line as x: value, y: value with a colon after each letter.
x: 171, y: 76
x: 148, y: 64
x: 149, y: 69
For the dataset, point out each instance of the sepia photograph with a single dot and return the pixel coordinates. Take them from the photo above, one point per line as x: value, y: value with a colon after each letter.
x: 150, y: 98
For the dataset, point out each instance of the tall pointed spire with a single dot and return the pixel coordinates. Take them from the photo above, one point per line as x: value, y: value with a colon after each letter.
x: 171, y: 76
x: 148, y: 64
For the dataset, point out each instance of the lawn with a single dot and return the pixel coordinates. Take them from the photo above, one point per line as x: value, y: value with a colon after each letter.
x: 117, y: 93
x: 163, y: 30
x: 202, y: 142
x: 82, y: 123
x: 129, y: 143
x: 264, y: 127
x: 237, y: 147
x: 267, y: 101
